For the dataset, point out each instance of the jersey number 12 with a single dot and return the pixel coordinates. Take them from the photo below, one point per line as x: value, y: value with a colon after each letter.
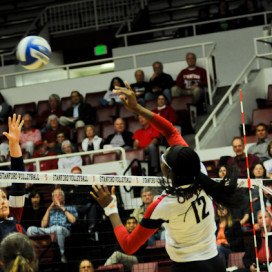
x: 197, y: 203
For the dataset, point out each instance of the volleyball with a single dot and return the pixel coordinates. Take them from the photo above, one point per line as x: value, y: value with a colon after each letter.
x: 33, y: 52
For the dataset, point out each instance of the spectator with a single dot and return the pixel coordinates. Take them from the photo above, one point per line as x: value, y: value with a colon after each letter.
x: 80, y: 198
x: 69, y: 162
x: 147, y: 197
x: 222, y: 171
x: 203, y: 16
x: 260, y: 148
x: 33, y: 210
x: 147, y: 138
x: 121, y: 137
x: 268, y: 163
x: 160, y: 83
x: 79, y: 114
x: 111, y: 98
x: 86, y: 266
x: 164, y: 110
x: 191, y: 80
x: 249, y: 258
x: 17, y: 253
x: 223, y: 12
x: 229, y: 234
x: 40, y: 151
x: 239, y: 161
x: 258, y: 172
x: 92, y: 141
x: 60, y: 136
x: 119, y: 257
x: 57, y: 219
x: 54, y: 108
x: 29, y: 135
x: 53, y: 126
x: 4, y: 109
x: 141, y: 87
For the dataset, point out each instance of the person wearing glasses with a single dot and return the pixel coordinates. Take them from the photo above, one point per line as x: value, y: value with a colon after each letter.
x: 185, y: 209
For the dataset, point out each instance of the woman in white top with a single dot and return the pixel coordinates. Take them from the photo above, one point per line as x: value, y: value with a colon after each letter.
x: 92, y: 140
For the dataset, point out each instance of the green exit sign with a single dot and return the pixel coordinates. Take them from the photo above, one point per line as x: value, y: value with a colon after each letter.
x: 100, y: 50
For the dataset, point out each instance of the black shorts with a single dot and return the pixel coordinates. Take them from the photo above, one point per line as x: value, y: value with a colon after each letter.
x: 212, y: 265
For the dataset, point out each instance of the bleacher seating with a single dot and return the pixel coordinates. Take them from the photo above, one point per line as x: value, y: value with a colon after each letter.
x: 107, y: 157
x: 93, y: 98
x: 147, y: 267
x: 65, y: 103
x: 108, y: 113
x: 111, y: 268
x: 25, y: 108
x: 235, y: 259
x: 261, y: 116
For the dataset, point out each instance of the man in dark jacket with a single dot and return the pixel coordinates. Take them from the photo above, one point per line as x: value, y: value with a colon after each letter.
x: 121, y: 137
x: 79, y: 114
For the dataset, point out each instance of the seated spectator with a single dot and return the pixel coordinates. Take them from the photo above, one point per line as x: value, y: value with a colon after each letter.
x: 260, y: 148
x: 4, y: 109
x: 204, y: 15
x: 247, y: 8
x: 141, y: 87
x: 53, y: 126
x: 79, y: 114
x: 80, y: 198
x: 164, y: 110
x: 147, y: 138
x: 33, y: 210
x: 61, y: 137
x: 92, y: 141
x: 191, y: 80
x: 228, y: 234
x: 54, y: 108
x: 86, y: 266
x: 223, y: 12
x: 258, y: 172
x: 17, y: 253
x: 239, y: 161
x: 119, y: 257
x: 268, y: 163
x: 249, y: 258
x: 40, y: 151
x: 29, y: 135
x: 267, y: 198
x: 160, y: 83
x: 147, y: 197
x: 57, y: 219
x: 111, y: 98
x: 121, y: 137
x: 69, y: 162
x: 222, y: 171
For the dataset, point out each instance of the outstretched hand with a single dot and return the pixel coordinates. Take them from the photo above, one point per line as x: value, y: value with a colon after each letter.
x: 102, y: 195
x: 15, y: 127
x: 127, y: 96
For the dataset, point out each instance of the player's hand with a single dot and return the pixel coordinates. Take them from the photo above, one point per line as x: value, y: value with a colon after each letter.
x: 102, y: 195
x: 15, y: 127
x: 127, y: 96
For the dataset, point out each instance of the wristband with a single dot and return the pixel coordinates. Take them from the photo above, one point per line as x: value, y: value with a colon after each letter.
x: 112, y: 207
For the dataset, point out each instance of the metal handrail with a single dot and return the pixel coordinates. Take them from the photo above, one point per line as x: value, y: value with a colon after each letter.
x: 38, y: 160
x: 193, y: 25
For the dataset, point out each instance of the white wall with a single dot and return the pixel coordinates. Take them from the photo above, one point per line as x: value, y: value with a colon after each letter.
x: 233, y: 51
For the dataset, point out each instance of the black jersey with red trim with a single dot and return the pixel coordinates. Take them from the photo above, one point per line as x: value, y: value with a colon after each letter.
x: 16, y: 203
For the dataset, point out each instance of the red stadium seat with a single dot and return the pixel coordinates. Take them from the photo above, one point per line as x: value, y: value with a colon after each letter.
x: 25, y: 108
x: 42, y: 106
x: 93, y: 98
x: 156, y: 253
x: 107, y: 157
x: 86, y: 159
x: 135, y: 154
x: 80, y: 135
x: 124, y: 113
x: 261, y: 116
x: 211, y: 167
x: 181, y: 102
x: 133, y: 124
x: 145, y: 267
x: 151, y: 104
x: 65, y: 103
x: 107, y: 128
x: 111, y: 268
x: 165, y: 266
x: 236, y: 259
x: 46, y: 248
x: 106, y: 113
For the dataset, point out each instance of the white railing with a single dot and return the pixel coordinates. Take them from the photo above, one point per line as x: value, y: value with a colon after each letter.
x: 207, y: 50
x: 81, y: 15
x: 182, y: 25
x: 38, y: 160
x: 212, y: 119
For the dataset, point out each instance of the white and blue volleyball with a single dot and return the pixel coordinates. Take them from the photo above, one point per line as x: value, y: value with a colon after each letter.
x: 33, y: 52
